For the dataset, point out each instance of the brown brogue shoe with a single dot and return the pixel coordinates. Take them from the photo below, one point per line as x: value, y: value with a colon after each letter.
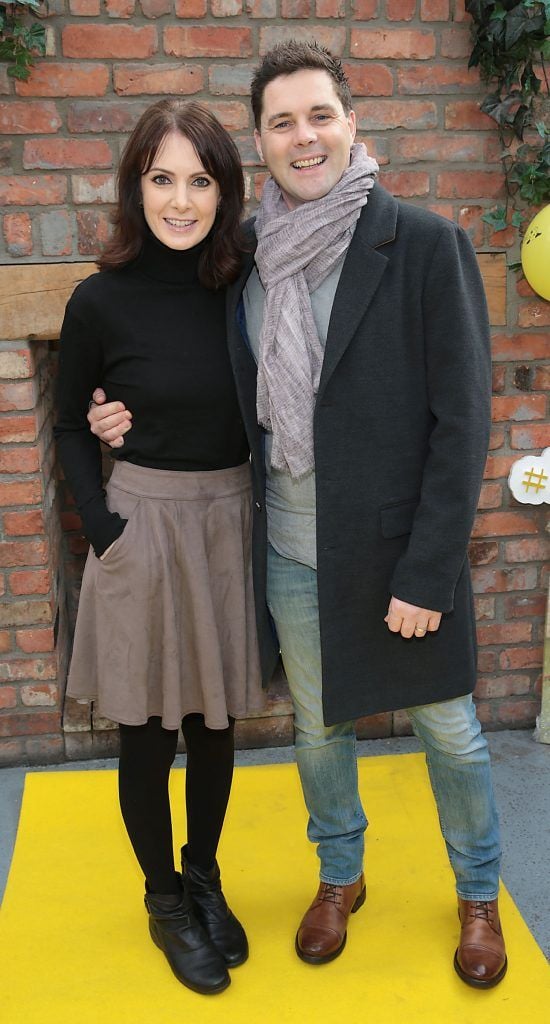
x: 322, y: 934
x: 480, y: 959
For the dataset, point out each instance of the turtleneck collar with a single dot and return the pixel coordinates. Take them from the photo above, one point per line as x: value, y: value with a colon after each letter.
x: 172, y: 266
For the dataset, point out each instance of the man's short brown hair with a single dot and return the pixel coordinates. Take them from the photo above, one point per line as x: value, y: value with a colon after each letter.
x: 285, y: 59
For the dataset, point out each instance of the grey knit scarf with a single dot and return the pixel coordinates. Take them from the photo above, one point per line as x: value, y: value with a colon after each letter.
x: 297, y: 249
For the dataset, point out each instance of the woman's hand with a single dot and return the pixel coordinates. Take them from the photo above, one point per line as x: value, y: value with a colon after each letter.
x: 109, y: 421
x: 106, y: 552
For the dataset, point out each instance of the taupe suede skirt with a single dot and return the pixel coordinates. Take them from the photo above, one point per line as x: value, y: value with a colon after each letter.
x: 166, y: 622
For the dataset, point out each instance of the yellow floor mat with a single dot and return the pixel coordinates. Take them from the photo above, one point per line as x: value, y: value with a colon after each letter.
x: 74, y: 941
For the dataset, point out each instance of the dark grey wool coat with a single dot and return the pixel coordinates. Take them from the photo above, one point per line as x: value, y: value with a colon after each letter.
x: 401, y: 429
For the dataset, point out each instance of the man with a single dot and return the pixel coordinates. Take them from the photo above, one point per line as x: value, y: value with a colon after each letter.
x: 368, y: 323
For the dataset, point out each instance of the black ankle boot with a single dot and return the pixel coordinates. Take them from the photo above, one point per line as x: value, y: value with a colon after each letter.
x: 211, y: 910
x: 192, y: 957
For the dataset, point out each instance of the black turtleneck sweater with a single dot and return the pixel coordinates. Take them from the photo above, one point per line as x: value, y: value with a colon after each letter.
x: 154, y: 338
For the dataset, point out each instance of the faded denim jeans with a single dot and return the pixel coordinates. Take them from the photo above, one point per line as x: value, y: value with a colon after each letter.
x: 456, y: 752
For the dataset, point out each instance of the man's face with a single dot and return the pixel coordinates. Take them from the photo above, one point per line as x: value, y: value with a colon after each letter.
x: 305, y: 137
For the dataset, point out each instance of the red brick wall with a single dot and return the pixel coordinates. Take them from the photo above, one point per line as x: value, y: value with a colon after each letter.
x: 416, y: 102
x: 33, y: 627
x: 417, y: 106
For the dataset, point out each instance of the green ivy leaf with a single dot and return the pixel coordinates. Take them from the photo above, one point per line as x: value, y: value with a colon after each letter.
x: 37, y: 38
x: 509, y: 39
x: 7, y: 50
x: 19, y: 39
x: 20, y: 72
x: 474, y: 7
x: 34, y: 4
x: 515, y: 27
x: 496, y: 218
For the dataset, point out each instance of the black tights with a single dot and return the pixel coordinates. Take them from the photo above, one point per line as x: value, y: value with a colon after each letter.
x: 147, y: 753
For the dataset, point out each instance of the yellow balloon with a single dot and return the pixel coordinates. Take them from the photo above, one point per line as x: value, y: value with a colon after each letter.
x: 535, y: 253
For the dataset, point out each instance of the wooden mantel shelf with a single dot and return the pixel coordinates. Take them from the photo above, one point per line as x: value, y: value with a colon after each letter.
x: 33, y: 296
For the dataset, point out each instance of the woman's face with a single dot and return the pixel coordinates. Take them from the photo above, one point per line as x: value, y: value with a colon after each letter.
x: 179, y: 198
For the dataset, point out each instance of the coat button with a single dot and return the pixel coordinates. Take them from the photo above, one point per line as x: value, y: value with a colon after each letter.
x: 258, y: 505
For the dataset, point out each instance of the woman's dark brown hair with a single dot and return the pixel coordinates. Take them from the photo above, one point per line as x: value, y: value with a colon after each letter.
x: 220, y: 260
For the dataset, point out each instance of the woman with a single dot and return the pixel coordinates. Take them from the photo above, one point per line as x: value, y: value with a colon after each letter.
x: 165, y: 633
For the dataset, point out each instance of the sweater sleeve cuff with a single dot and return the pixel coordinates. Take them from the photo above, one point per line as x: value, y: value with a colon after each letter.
x: 101, y: 527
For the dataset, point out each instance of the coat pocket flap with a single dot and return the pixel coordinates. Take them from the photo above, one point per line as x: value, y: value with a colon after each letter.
x: 396, y: 520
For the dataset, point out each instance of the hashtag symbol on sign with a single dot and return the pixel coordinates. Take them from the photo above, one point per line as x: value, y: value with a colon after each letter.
x: 535, y: 480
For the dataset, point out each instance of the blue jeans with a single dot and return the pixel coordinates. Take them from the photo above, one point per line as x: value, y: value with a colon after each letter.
x: 456, y: 752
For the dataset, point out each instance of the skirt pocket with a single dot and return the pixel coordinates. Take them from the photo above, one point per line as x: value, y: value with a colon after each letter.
x: 127, y: 505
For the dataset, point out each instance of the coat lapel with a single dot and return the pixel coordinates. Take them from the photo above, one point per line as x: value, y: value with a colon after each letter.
x: 242, y: 360
x: 361, y: 274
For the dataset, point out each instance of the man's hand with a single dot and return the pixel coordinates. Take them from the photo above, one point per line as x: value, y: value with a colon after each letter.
x: 410, y: 620
x: 109, y: 421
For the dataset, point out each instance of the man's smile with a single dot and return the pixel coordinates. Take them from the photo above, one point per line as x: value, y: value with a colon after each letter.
x: 310, y: 161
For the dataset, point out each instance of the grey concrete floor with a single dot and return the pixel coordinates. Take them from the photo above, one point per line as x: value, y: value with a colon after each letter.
x: 521, y: 773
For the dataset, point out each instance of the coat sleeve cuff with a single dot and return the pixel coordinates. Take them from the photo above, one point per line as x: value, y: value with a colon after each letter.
x: 436, y: 595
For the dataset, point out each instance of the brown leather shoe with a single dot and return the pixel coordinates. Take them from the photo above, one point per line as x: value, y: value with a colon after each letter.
x: 480, y: 959
x: 322, y: 934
